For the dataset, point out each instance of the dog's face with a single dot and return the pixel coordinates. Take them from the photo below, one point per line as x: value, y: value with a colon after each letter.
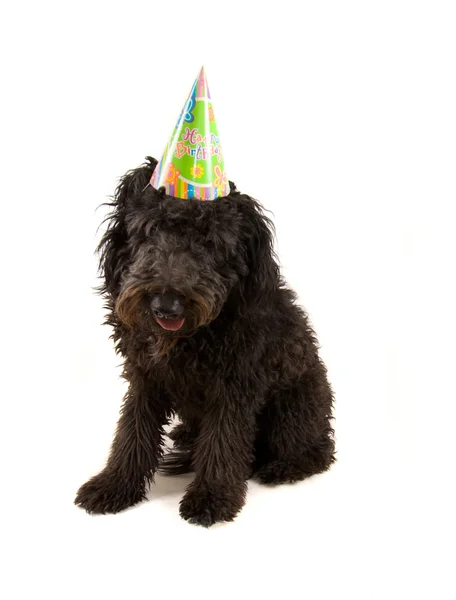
x: 185, y: 258
x: 171, y: 264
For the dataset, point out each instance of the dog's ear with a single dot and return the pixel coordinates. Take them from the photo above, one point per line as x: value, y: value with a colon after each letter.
x: 113, y: 248
x: 258, y: 246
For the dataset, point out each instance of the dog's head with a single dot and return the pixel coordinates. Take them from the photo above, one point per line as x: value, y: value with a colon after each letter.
x: 171, y: 266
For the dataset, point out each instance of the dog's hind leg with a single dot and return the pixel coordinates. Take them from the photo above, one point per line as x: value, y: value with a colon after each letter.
x: 179, y: 460
x: 295, y: 437
x: 184, y: 434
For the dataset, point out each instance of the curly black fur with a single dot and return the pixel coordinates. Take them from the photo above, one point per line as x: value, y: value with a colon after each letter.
x: 243, y: 372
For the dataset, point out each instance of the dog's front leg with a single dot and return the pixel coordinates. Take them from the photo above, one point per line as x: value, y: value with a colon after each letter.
x: 135, y: 451
x: 222, y: 461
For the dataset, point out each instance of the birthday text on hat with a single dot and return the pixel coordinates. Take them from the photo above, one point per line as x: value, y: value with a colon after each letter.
x: 199, y: 141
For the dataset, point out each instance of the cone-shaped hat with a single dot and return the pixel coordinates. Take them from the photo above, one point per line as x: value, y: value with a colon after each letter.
x: 192, y: 165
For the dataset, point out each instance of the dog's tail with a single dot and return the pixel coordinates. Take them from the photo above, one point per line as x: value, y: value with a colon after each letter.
x: 177, y: 462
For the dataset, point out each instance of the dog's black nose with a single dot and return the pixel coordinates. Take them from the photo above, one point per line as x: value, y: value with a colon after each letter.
x: 167, y: 306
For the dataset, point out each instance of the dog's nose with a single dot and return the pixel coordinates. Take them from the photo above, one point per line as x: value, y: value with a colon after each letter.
x: 167, y: 306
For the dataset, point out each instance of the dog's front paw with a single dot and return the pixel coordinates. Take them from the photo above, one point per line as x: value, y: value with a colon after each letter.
x: 205, y: 505
x: 109, y: 493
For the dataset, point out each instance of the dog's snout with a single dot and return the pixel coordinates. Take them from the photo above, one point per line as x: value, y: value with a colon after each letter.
x: 167, y: 306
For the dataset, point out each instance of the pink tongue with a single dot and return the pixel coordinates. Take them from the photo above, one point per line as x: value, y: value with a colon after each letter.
x: 170, y: 324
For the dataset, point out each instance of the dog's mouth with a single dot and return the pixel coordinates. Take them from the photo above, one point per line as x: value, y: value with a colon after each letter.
x: 170, y: 324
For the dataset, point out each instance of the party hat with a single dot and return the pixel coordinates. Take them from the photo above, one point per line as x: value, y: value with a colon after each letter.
x: 192, y: 165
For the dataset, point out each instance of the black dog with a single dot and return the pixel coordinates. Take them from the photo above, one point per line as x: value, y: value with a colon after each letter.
x: 209, y: 331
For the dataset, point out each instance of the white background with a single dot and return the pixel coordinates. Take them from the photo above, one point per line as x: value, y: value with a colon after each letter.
x: 340, y: 118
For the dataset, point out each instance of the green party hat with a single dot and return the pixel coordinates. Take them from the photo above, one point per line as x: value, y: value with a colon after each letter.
x: 192, y: 165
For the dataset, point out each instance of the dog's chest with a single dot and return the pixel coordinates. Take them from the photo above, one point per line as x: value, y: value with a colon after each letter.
x: 190, y: 376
